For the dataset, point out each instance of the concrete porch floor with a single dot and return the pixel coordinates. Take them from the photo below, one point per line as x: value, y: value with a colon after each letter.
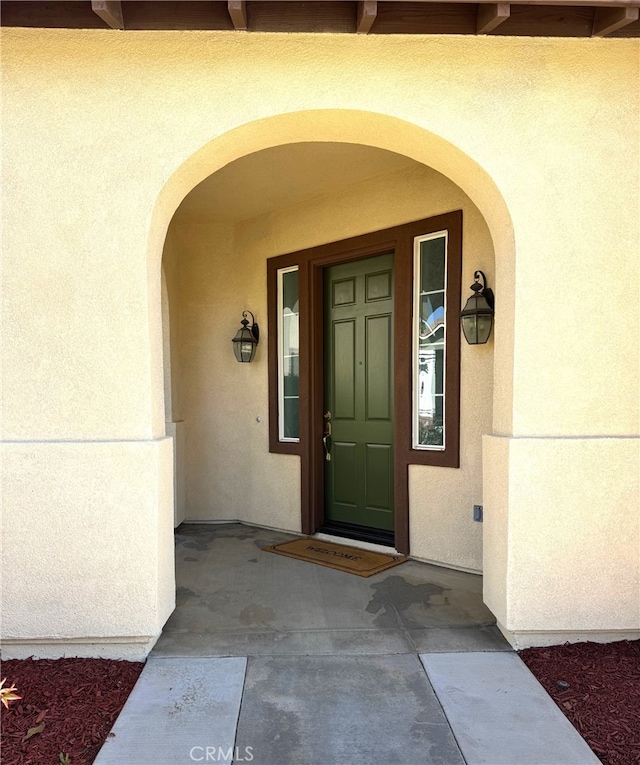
x: 275, y: 661
x: 233, y: 599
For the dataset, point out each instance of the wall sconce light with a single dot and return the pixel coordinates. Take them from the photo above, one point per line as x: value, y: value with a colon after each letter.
x: 477, y: 315
x: 246, y: 340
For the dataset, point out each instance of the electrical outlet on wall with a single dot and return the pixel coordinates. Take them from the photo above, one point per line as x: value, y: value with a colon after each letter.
x: 477, y: 513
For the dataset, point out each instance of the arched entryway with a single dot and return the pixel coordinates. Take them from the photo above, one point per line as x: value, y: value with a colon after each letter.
x: 284, y: 184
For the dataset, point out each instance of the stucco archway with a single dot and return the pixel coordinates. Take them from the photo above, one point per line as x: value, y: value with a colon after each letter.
x: 378, y: 132
x: 356, y: 127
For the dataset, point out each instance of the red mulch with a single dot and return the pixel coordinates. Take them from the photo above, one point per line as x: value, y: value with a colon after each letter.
x: 77, y: 701
x: 603, y: 698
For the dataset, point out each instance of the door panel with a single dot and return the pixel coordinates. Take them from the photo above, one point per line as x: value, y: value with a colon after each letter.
x: 344, y: 292
x: 378, y: 367
x: 344, y: 369
x: 345, y: 491
x: 378, y: 286
x: 379, y: 476
x: 358, y: 381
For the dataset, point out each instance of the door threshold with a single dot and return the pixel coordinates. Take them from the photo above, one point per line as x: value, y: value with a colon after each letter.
x: 324, y: 537
x: 367, y: 537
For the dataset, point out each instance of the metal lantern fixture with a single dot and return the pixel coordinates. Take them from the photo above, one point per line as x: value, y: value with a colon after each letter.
x: 477, y: 315
x: 246, y: 340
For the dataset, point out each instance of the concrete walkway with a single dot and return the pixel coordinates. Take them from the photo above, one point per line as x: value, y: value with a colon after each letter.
x: 277, y: 662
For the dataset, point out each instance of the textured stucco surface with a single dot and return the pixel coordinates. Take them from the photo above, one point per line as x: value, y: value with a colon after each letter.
x: 495, y: 531
x: 87, y: 544
x: 523, y: 127
x: 105, y: 133
x: 569, y: 518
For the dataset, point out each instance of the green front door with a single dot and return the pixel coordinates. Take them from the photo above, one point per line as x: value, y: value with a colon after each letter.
x: 358, y: 385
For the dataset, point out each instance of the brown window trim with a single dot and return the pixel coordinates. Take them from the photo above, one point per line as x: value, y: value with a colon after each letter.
x: 273, y: 266
x: 311, y: 263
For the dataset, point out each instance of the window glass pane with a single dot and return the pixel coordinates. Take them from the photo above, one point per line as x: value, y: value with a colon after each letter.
x: 431, y: 328
x: 431, y: 371
x: 430, y: 398
x: 291, y: 378
x: 291, y: 428
x: 431, y: 423
x: 432, y: 259
x: 288, y: 354
x: 429, y: 341
x: 290, y: 290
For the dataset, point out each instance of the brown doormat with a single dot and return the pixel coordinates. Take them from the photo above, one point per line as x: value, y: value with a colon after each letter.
x: 351, y: 560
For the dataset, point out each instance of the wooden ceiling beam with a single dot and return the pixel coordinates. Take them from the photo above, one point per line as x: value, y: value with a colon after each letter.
x: 609, y: 20
x: 591, y: 3
x: 491, y: 16
x: 110, y: 11
x: 536, y: 18
x: 367, y: 12
x: 583, y: 3
x: 238, y: 13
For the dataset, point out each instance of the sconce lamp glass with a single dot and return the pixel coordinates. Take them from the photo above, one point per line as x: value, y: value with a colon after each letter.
x: 246, y: 340
x: 477, y: 315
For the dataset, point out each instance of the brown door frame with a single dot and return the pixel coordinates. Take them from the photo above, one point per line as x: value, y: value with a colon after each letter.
x: 311, y: 264
x: 315, y: 411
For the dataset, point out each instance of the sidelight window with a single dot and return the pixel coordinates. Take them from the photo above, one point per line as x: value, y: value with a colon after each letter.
x: 429, y: 341
x: 288, y: 355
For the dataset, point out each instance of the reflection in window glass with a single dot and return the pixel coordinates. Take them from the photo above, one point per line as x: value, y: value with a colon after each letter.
x: 430, y: 287
x: 288, y: 354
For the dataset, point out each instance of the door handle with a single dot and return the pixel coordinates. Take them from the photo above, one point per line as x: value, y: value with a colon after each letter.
x: 326, y: 436
x: 327, y: 448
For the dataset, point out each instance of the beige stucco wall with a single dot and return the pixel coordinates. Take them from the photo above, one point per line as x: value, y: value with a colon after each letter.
x: 565, y: 497
x: 105, y: 132
x: 87, y: 547
x: 174, y: 425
